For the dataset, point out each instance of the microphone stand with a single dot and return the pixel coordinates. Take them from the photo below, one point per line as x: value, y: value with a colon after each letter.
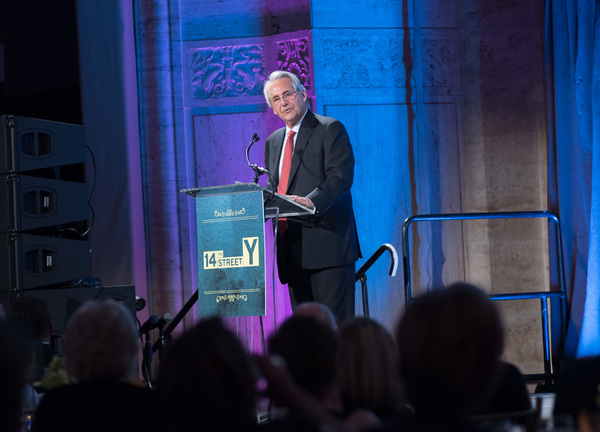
x: 162, y: 339
x: 177, y: 319
x: 147, y: 360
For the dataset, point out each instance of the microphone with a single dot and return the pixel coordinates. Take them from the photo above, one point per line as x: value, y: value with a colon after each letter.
x: 148, y: 325
x: 258, y: 171
x: 160, y: 324
x: 254, y: 139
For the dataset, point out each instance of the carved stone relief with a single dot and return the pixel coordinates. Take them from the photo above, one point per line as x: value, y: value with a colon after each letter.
x: 227, y: 71
x: 293, y: 56
x: 362, y: 62
x: 439, y: 61
x: 356, y: 61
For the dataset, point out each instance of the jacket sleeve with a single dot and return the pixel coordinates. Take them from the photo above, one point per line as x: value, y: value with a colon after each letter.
x: 338, y: 167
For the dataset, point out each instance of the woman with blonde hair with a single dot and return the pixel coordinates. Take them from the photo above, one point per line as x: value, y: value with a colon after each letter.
x: 368, y: 369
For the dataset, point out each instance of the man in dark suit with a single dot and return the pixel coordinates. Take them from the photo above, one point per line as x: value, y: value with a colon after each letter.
x: 316, y: 254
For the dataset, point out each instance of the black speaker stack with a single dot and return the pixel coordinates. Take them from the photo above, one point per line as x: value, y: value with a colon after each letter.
x: 43, y: 206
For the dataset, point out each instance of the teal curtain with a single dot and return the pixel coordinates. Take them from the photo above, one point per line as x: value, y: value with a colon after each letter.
x: 573, y: 68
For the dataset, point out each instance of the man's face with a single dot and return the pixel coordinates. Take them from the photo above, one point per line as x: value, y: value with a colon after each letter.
x: 290, y: 109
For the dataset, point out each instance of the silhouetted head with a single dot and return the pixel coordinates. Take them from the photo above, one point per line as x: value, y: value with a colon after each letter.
x: 450, y: 341
x: 207, y: 381
x: 368, y: 371
x: 318, y: 311
x: 309, y: 348
x: 101, y: 342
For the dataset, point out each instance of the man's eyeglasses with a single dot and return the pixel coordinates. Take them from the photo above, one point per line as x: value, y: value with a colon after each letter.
x: 285, y: 96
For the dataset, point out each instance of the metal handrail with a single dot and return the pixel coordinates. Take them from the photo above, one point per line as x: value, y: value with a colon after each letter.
x: 361, y: 274
x: 542, y: 295
x: 466, y: 216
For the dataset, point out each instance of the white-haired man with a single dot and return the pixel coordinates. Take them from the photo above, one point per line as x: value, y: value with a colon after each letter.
x: 316, y: 254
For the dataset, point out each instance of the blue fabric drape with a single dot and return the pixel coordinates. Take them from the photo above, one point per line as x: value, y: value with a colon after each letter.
x: 573, y: 67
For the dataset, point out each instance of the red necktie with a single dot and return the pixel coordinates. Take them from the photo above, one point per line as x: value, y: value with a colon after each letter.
x: 286, y: 164
x: 285, y: 175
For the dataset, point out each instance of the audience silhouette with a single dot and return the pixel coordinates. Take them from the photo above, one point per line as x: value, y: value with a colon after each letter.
x: 101, y: 355
x: 301, y: 371
x: 309, y: 349
x: 13, y: 378
x: 368, y: 369
x: 207, y: 381
x: 440, y: 372
x: 450, y: 341
x: 318, y: 311
x: 31, y: 316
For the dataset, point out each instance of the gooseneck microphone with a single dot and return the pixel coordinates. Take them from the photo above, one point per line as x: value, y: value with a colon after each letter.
x: 258, y: 171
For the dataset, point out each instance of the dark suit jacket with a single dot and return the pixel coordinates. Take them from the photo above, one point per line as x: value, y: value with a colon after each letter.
x: 322, y: 170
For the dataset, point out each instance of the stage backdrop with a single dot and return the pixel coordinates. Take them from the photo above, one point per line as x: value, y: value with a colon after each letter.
x: 446, y: 110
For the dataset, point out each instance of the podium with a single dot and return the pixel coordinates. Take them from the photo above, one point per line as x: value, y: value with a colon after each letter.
x: 230, y: 223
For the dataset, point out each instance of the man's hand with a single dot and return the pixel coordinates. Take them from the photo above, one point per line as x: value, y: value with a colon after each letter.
x: 302, y: 201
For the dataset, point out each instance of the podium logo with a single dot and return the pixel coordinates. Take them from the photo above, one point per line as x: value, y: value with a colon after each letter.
x: 250, y: 256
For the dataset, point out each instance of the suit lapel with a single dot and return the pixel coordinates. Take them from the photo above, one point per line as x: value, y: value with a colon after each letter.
x: 306, y: 130
x: 276, y: 153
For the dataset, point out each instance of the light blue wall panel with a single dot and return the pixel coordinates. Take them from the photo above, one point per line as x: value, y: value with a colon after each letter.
x: 363, y: 77
x: 374, y: 14
x: 381, y: 194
